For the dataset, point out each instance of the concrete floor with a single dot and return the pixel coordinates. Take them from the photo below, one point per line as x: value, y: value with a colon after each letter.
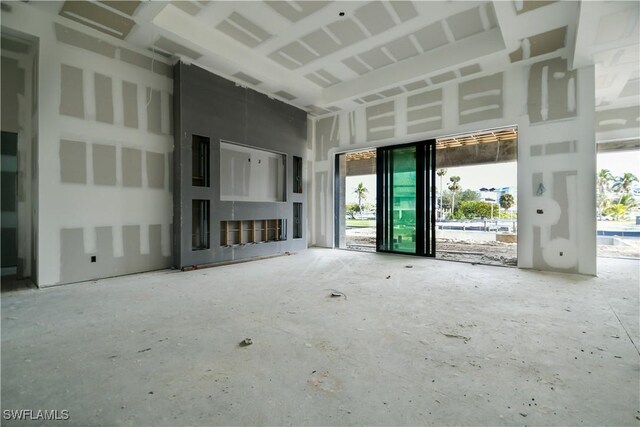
x: 439, y: 343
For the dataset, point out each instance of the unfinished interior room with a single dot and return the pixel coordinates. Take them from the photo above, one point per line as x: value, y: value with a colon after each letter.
x: 320, y: 213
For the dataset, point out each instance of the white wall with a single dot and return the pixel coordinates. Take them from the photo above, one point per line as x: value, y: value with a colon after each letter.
x: 67, y: 207
x: 548, y: 103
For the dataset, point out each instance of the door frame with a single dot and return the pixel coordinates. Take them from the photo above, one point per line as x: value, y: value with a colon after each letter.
x: 425, y: 196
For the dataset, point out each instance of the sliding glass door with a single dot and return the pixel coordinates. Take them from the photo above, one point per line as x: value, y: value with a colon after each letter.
x: 406, y: 199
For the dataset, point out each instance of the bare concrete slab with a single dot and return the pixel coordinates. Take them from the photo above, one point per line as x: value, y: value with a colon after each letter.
x: 441, y: 343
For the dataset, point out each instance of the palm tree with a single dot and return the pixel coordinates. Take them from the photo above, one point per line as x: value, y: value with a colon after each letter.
x: 618, y: 211
x: 605, y: 178
x: 623, y: 184
x: 361, y: 191
x: 441, y: 173
x: 628, y: 200
x: 604, y: 181
x: 454, y: 187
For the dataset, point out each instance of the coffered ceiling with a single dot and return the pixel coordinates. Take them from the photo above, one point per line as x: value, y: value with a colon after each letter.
x: 325, y: 56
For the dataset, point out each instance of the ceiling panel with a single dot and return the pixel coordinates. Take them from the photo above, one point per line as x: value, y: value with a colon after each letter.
x: 374, y: 17
x: 98, y: 17
x: 296, y: 10
x: 431, y: 37
x: 347, y: 31
x: 176, y: 48
x: 465, y: 24
x: 375, y: 58
x: 243, y: 30
x: 401, y: 48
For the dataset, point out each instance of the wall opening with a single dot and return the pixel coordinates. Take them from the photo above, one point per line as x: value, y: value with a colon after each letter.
x: 200, y: 232
x: 355, y: 200
x: 297, y: 220
x: 476, y: 186
x: 19, y: 92
x: 297, y: 174
x: 618, y: 199
x: 200, y: 161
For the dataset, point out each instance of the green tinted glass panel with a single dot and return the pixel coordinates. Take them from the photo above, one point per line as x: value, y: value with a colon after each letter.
x: 403, y: 189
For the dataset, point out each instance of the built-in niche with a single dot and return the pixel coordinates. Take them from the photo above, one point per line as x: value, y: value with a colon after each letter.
x: 200, y: 161
x: 250, y: 174
x: 234, y: 233
x: 297, y: 174
x: 200, y: 232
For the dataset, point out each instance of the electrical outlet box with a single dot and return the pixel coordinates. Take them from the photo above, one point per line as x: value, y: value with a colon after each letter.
x: 94, y: 258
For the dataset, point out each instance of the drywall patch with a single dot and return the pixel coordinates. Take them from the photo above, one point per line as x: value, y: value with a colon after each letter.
x: 243, y: 30
x: 176, y: 48
x: 73, y: 162
x: 381, y: 121
x: 143, y: 61
x: 130, y: 104
x: 104, y: 98
x: 523, y: 6
x: 104, y: 164
x: 480, y: 99
x: 76, y: 262
x: 563, y: 191
x: 327, y: 136
x: 285, y: 95
x: 618, y: 118
x: 374, y: 17
x: 131, y: 167
x: 94, y: 15
x: 154, y: 111
x: 416, y: 85
x: 190, y: 7
x: 155, y: 169
x: 71, y: 92
x: 247, y: 78
x: 351, y: 117
x: 551, y: 91
x: 466, y: 24
x: 540, y: 44
x: 75, y: 38
x: 424, y: 111
x: 299, y: 11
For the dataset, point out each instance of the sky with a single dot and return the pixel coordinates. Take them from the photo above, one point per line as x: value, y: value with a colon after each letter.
x: 499, y: 174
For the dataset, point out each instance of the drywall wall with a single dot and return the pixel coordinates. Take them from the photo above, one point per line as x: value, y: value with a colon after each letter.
x: 103, y: 153
x: 553, y: 108
x: 239, y: 124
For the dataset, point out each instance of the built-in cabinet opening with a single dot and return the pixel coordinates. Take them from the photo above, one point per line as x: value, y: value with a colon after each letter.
x: 297, y: 174
x: 200, y: 161
x: 234, y: 233
x: 200, y: 225
x: 297, y: 220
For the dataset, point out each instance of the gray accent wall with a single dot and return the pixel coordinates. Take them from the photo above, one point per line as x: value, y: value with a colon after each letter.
x: 218, y: 109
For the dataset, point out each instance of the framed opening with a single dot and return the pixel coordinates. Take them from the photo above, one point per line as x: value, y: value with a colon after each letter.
x: 250, y: 174
x: 200, y: 147
x: 297, y: 220
x: 297, y: 174
x: 200, y: 232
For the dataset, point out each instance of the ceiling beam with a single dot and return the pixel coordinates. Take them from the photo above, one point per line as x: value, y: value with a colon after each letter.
x: 441, y: 58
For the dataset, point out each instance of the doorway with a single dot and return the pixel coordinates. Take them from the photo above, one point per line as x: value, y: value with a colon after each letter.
x: 406, y: 205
